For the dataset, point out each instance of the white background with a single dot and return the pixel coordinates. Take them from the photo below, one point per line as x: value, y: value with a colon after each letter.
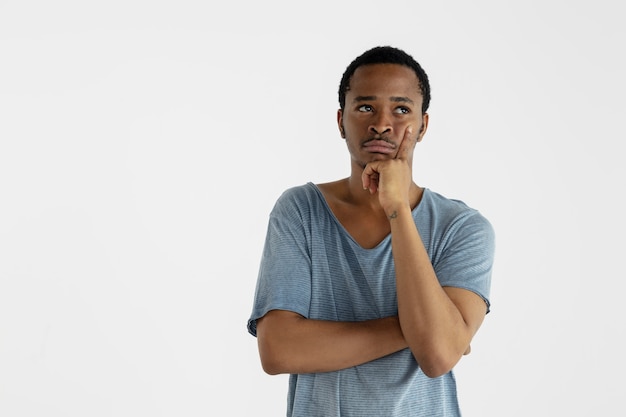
x: 143, y: 144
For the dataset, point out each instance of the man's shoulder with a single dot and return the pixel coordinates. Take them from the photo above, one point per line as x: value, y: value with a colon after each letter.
x: 436, y: 199
x: 448, y: 208
x: 297, y: 193
x: 298, y: 198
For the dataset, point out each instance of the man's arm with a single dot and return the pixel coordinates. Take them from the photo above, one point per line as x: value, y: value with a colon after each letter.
x: 438, y: 323
x: 290, y: 343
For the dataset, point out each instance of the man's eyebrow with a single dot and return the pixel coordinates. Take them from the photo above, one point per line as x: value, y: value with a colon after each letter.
x: 401, y: 100
x: 364, y: 98
x: 395, y: 99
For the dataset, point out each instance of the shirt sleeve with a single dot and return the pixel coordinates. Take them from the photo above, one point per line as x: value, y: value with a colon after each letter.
x: 466, y: 258
x: 284, y: 279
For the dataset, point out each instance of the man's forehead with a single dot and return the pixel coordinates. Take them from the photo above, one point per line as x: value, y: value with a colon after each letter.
x: 390, y: 80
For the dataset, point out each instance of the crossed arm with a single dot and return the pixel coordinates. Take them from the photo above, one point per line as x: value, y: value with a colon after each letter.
x: 290, y: 343
x: 436, y: 323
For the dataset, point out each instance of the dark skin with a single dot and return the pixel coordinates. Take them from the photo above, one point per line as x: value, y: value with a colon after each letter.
x: 381, y: 123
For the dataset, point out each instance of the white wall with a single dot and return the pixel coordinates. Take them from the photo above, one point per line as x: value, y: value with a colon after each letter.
x: 142, y: 146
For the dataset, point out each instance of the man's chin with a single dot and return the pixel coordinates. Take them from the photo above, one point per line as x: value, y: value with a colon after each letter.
x: 379, y: 156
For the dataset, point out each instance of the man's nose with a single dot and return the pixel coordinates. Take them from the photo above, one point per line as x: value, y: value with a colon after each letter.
x: 381, y: 123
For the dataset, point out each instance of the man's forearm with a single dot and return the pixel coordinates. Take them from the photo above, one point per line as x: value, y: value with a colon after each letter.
x: 290, y: 343
x: 432, y: 324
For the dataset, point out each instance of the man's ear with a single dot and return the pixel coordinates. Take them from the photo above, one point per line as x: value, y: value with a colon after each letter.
x: 422, y: 131
x: 340, y: 123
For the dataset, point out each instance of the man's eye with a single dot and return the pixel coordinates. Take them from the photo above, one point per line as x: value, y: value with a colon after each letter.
x: 403, y: 110
x: 365, y: 108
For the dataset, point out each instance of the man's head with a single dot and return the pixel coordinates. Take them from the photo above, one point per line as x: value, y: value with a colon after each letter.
x: 384, y: 96
x: 385, y: 55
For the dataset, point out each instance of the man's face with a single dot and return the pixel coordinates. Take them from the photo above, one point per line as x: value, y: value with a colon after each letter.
x: 382, y: 101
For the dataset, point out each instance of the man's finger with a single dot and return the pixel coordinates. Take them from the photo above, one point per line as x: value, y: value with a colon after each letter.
x: 369, y: 178
x: 404, y: 150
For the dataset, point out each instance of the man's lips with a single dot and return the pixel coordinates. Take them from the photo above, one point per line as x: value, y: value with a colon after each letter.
x: 379, y: 146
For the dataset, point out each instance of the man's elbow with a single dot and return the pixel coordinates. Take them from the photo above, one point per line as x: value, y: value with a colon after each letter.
x: 271, y: 365
x: 273, y: 358
x: 436, y: 365
x: 275, y: 342
x: 270, y: 368
x: 435, y: 371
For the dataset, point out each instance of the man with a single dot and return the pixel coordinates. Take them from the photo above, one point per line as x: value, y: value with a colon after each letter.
x: 371, y: 288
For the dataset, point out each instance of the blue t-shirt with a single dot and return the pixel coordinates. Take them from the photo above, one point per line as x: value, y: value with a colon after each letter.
x: 312, y: 266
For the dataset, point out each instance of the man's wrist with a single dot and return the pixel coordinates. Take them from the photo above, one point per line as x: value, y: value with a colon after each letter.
x: 395, y: 213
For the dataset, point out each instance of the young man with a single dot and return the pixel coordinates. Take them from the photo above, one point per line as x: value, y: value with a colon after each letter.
x: 371, y: 287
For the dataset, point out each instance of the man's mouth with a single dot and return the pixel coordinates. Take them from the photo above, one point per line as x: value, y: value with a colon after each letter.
x: 379, y: 146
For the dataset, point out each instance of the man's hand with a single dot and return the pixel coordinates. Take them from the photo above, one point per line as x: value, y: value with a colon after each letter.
x: 392, y: 178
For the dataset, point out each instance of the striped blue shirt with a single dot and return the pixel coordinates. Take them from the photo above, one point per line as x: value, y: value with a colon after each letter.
x: 312, y: 266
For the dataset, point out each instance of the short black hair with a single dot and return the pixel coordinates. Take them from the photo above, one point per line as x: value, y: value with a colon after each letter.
x: 385, y: 55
